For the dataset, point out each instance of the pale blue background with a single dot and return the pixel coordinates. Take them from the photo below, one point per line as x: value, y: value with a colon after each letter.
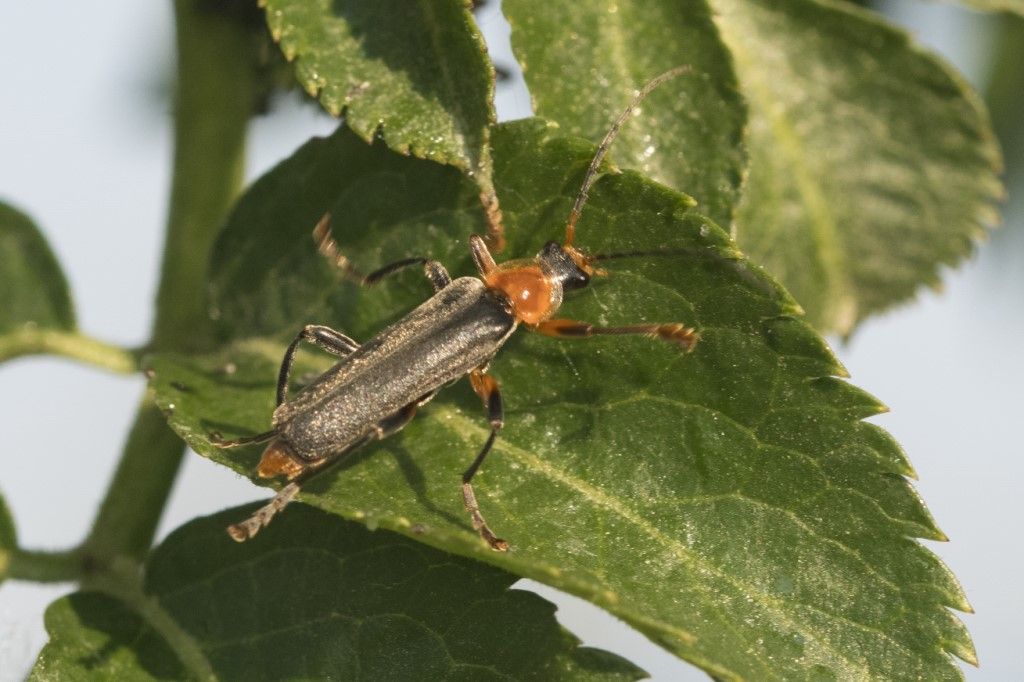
x: 85, y: 149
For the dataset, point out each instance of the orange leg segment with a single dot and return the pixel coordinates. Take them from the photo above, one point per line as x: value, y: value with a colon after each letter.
x: 679, y: 334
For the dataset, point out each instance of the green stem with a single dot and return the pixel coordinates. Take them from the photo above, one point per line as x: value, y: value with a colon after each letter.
x: 68, y: 344
x: 44, y: 567
x: 213, y: 102
x: 136, y: 497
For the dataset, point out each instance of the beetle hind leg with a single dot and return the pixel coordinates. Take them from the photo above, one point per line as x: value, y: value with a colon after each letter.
x: 487, y: 388
x: 329, y: 249
x: 240, y: 532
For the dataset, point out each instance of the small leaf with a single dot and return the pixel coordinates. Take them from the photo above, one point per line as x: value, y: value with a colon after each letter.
x: 872, y: 162
x: 584, y: 60
x: 729, y: 503
x: 417, y: 72
x: 319, y: 599
x: 32, y: 286
x: 8, y: 538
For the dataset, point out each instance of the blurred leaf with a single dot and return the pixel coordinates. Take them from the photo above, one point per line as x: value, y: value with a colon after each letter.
x: 872, y: 162
x: 273, y: 75
x: 32, y: 286
x: 994, y: 5
x: 688, y: 134
x: 1004, y: 92
x: 728, y: 503
x: 8, y: 538
x: 318, y: 599
x: 416, y: 72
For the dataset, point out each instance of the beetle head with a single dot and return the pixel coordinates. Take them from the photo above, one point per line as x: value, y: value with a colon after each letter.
x: 565, y: 265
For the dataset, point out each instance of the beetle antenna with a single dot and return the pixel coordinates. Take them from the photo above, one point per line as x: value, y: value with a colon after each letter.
x: 602, y: 149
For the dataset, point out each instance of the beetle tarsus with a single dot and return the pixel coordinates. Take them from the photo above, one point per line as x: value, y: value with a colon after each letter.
x: 479, y: 525
x: 240, y: 532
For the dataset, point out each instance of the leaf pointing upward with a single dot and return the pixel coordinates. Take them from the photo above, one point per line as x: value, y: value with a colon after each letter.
x: 414, y: 70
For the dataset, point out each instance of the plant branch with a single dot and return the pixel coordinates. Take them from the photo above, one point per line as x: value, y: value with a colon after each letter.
x: 212, y: 107
x: 44, y: 567
x: 68, y: 344
x: 213, y: 103
x: 136, y: 497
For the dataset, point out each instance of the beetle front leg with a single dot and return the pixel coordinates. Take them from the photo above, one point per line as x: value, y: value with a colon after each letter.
x: 487, y: 388
x: 679, y: 334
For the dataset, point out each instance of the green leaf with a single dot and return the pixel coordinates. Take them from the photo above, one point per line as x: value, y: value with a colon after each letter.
x: 8, y: 538
x: 32, y: 286
x: 319, y: 599
x: 584, y: 60
x: 728, y: 503
x: 415, y: 72
x: 872, y: 162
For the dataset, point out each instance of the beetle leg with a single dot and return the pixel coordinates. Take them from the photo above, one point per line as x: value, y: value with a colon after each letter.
x: 676, y: 333
x: 240, y: 532
x: 398, y: 420
x: 245, y: 530
x: 482, y: 257
x: 332, y: 341
x: 495, y: 222
x: 437, y: 274
x: 328, y: 248
x: 323, y: 337
x: 487, y: 388
x: 218, y: 440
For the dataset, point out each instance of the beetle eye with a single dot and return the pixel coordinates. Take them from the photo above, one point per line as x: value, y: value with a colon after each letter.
x: 578, y: 280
